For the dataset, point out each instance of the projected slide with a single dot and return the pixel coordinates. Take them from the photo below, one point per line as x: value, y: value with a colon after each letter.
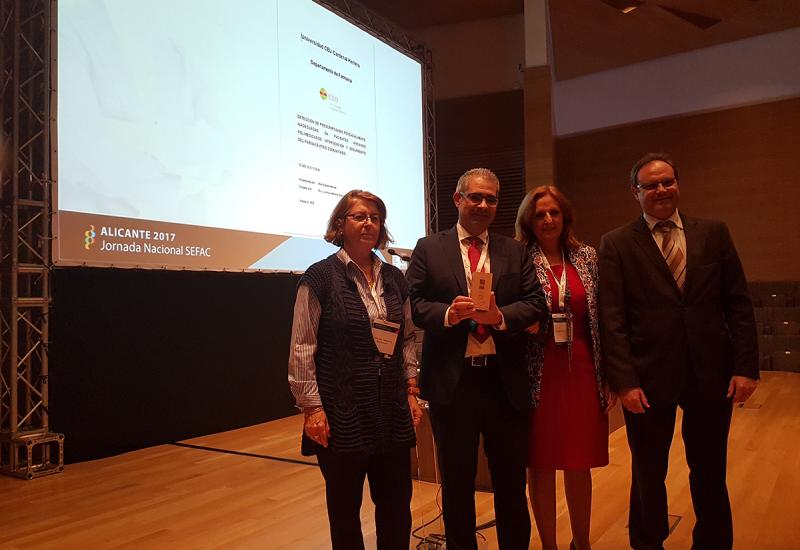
x: 205, y: 134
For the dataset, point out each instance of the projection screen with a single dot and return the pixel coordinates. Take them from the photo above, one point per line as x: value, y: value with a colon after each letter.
x: 209, y: 134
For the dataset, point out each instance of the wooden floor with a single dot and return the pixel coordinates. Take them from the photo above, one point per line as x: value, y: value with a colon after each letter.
x: 181, y: 497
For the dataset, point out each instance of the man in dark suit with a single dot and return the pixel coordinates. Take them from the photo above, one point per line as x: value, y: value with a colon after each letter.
x: 473, y: 371
x: 677, y: 328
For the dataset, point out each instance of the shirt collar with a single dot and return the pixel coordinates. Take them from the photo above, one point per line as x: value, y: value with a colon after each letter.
x: 345, y: 258
x: 674, y: 218
x: 464, y: 234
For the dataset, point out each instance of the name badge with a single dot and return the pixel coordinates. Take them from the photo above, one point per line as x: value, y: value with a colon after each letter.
x: 385, y: 335
x: 481, y: 290
x: 562, y: 328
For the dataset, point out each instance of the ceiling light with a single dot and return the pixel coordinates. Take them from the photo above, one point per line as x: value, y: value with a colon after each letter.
x: 624, y: 6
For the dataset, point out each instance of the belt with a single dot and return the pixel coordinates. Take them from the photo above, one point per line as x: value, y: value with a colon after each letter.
x: 477, y: 360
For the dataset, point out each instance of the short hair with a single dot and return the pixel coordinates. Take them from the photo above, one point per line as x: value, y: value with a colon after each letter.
x: 485, y: 173
x: 334, y: 234
x: 527, y: 210
x: 647, y: 159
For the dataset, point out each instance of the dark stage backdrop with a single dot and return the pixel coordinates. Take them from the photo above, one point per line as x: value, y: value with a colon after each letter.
x: 140, y: 358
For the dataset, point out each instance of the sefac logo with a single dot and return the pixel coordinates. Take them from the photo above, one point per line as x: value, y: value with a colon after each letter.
x: 88, y: 237
x: 323, y: 94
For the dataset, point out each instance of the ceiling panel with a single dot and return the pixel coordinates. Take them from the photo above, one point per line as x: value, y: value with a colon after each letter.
x: 595, y: 35
x: 591, y: 35
x: 416, y: 14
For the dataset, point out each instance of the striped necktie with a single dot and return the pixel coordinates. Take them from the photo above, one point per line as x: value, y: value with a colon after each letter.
x: 674, y: 256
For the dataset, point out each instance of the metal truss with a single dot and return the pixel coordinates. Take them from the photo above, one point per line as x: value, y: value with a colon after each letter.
x: 383, y: 29
x: 27, y: 448
x: 431, y: 187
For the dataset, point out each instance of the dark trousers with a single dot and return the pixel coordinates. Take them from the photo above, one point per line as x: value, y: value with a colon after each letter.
x: 480, y: 406
x: 389, y: 477
x: 705, y: 435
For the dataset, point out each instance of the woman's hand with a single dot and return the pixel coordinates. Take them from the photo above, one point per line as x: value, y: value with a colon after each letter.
x: 533, y: 329
x: 610, y: 396
x: 316, y: 426
x: 416, y: 410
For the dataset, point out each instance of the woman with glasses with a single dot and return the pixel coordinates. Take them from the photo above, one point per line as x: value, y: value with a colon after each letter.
x: 569, y: 421
x: 352, y: 370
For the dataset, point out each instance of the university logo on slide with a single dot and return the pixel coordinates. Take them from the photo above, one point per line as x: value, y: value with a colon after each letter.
x: 88, y: 237
x: 323, y: 94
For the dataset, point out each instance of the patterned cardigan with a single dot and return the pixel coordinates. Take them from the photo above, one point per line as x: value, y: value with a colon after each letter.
x: 584, y: 259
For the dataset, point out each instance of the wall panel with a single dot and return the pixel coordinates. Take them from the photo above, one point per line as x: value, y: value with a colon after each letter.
x: 738, y: 165
x: 539, y: 165
x: 481, y: 131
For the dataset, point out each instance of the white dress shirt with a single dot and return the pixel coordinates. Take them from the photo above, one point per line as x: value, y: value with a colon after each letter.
x: 484, y: 264
x: 678, y: 233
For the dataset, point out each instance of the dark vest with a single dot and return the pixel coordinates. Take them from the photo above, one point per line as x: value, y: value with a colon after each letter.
x: 363, y: 394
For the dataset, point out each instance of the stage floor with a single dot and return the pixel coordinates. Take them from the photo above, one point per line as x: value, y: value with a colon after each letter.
x: 251, y: 488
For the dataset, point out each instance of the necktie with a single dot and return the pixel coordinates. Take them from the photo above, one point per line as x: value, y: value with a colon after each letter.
x: 474, y: 254
x: 674, y: 256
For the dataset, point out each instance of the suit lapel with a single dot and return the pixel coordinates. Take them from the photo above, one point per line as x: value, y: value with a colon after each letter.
x: 451, y: 249
x: 645, y: 240
x: 693, y: 248
x: 496, y: 259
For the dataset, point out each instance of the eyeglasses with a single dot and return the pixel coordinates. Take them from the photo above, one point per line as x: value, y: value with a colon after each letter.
x: 476, y: 198
x: 361, y: 217
x: 666, y: 184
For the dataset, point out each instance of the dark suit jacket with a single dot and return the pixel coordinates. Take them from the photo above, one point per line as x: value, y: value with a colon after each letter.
x: 436, y: 276
x: 652, y: 334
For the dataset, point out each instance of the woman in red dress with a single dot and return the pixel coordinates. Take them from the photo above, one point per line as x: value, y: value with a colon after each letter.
x: 569, y: 421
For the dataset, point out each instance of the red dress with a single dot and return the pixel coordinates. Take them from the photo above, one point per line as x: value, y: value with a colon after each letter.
x: 568, y: 430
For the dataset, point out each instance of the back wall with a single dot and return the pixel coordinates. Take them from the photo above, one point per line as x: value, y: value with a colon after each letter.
x: 737, y: 165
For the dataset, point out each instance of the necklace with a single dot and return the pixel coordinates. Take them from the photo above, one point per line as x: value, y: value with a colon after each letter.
x: 368, y: 274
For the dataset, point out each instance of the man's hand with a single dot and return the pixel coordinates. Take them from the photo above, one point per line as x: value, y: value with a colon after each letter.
x: 741, y: 388
x: 491, y: 316
x: 610, y: 397
x: 634, y: 399
x: 462, y: 308
x: 534, y: 328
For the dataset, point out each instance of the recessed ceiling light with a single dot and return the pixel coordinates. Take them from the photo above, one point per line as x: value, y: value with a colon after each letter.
x: 624, y: 6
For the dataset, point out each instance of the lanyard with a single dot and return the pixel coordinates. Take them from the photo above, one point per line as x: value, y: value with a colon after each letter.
x: 561, y: 282
x: 563, y: 298
x: 373, y: 291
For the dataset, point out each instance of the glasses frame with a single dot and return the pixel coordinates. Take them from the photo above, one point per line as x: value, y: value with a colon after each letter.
x: 654, y: 185
x: 374, y: 218
x: 491, y: 200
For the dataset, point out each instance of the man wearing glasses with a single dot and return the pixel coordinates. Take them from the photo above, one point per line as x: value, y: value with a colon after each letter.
x: 473, y: 371
x: 677, y: 329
